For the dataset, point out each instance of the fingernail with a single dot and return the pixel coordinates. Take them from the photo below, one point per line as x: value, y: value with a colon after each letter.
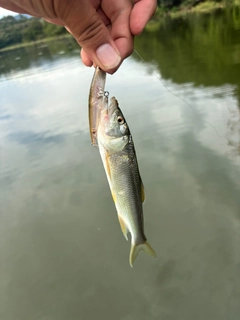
x: 108, y: 57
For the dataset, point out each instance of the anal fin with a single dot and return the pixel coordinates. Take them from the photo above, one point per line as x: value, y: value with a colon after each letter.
x: 123, y: 226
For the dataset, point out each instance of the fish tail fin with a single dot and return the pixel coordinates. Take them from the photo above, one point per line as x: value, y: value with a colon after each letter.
x: 135, y: 248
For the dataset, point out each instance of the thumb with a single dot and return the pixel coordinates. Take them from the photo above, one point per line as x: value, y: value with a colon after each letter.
x: 84, y: 23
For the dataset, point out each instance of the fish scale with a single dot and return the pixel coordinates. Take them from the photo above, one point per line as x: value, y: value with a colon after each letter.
x: 125, y: 178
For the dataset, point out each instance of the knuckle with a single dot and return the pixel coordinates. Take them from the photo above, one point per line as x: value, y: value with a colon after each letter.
x: 93, y: 33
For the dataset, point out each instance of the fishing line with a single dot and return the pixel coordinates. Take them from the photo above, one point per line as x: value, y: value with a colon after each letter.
x: 176, y: 95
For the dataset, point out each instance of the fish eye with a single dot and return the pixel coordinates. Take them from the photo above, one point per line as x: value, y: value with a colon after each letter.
x: 120, y: 120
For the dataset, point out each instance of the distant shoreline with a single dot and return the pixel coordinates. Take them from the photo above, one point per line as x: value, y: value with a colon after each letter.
x: 28, y: 44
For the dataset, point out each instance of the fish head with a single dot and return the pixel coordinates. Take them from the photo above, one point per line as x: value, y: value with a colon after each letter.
x: 113, y: 131
x: 115, y: 125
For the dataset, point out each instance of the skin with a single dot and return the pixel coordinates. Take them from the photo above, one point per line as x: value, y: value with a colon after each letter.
x: 104, y: 29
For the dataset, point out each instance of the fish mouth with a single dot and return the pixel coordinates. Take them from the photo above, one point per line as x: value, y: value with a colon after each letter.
x: 113, y: 106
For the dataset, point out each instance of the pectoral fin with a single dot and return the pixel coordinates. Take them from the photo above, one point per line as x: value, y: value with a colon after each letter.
x: 113, y: 196
x: 108, y: 166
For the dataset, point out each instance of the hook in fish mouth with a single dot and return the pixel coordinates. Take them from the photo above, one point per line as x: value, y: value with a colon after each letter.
x: 106, y: 95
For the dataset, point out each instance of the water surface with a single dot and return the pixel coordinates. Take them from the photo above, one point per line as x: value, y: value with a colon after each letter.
x: 62, y: 252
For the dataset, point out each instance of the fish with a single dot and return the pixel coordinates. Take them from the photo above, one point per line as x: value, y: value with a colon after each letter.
x: 119, y: 159
x: 94, y: 106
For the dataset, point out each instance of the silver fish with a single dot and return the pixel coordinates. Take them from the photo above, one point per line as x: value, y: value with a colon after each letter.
x: 120, y: 162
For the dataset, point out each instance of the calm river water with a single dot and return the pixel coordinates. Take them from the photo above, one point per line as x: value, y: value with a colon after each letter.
x: 62, y: 252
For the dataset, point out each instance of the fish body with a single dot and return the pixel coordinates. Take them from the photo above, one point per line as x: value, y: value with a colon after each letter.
x: 120, y: 162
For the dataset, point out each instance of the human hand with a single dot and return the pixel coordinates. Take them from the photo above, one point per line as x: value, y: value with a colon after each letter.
x: 103, y: 28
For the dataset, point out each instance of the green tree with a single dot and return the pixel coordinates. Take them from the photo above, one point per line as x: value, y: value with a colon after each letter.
x: 33, y: 31
x: 52, y: 30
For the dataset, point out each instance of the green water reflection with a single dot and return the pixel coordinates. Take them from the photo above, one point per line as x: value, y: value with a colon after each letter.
x: 36, y: 55
x: 200, y: 49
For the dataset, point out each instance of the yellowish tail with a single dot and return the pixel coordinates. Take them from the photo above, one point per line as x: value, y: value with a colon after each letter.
x: 140, y: 247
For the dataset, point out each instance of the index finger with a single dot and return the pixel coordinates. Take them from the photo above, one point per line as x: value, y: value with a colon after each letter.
x: 119, y: 13
x: 141, y: 13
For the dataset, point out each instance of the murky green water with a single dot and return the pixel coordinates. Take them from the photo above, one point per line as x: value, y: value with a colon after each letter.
x: 62, y: 254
